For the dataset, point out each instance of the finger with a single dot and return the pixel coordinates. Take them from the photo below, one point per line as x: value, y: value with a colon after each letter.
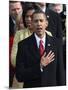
x: 49, y: 53
x: 44, y: 54
x: 52, y: 55
x: 52, y: 60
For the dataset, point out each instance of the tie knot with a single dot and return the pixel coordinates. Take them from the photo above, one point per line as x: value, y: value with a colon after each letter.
x: 41, y: 41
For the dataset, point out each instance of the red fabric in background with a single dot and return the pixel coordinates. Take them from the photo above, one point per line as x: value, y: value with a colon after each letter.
x: 11, y: 68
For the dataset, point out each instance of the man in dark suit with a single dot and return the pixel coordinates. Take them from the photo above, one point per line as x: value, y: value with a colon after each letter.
x: 36, y: 69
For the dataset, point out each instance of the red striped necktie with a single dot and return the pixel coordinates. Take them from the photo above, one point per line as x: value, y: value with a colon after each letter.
x: 41, y: 48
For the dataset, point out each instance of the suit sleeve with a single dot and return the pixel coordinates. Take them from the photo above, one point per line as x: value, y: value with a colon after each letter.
x: 22, y: 73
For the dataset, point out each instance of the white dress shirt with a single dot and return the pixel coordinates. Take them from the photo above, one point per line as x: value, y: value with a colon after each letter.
x: 38, y: 40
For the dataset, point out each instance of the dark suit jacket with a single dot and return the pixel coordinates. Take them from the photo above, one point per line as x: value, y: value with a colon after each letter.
x: 28, y: 64
x: 54, y: 23
x: 11, y: 27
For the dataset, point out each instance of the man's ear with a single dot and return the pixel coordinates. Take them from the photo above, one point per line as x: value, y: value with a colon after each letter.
x: 46, y: 23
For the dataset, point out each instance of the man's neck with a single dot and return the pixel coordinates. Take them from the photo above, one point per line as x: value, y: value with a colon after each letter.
x: 41, y: 36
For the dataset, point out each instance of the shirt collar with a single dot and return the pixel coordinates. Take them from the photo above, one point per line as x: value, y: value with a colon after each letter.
x: 38, y: 40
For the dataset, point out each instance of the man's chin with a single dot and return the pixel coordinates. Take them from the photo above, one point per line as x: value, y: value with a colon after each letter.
x: 39, y: 34
x: 39, y: 31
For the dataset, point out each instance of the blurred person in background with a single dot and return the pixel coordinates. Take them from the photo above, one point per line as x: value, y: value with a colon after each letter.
x: 15, y: 15
x: 15, y: 23
x: 21, y: 35
x: 56, y: 7
x: 61, y: 10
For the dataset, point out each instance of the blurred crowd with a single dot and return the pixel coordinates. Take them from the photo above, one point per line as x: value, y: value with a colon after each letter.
x: 20, y: 27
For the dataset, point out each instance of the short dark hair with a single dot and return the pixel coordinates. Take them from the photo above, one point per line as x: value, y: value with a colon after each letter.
x: 13, y: 1
x: 25, y: 12
x: 16, y: 2
x: 39, y: 12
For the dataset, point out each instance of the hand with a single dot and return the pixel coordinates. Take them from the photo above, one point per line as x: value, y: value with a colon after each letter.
x: 46, y: 59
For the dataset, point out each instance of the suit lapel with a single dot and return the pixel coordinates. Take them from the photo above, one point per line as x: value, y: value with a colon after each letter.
x: 48, y: 44
x: 33, y: 47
